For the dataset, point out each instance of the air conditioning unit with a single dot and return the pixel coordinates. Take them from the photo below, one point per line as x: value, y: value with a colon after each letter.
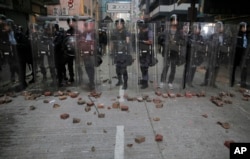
x: 56, y: 11
x: 65, y: 11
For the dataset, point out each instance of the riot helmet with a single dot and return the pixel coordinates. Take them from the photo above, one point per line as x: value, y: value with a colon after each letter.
x: 243, y: 26
x: 89, y: 24
x: 196, y: 28
x: 119, y: 23
x: 173, y: 19
x: 2, y: 18
x: 219, y: 27
x: 141, y: 24
x: 71, y: 22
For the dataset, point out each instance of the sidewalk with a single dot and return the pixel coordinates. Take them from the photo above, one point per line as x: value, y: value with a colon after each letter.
x: 33, y: 129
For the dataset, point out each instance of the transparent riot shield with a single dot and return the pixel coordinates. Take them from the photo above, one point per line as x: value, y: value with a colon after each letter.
x: 174, y: 56
x: 87, y: 57
x: 121, y: 57
x: 12, y: 74
x: 197, y: 55
x: 147, y: 55
x: 240, y: 61
x: 43, y: 57
x: 222, y: 46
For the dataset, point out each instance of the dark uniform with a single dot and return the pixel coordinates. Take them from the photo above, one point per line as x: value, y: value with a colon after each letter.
x: 196, y: 52
x: 171, y: 51
x: 120, y: 39
x: 241, y: 47
x: 59, y: 57
x: 219, y: 43
x: 145, y: 50
x: 69, y: 43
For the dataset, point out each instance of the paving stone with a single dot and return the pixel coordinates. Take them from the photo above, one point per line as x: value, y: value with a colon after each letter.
x: 228, y: 142
x: 116, y: 105
x: 139, y: 139
x: 158, y: 137
x: 124, y: 108
x: 64, y: 116
x: 76, y: 120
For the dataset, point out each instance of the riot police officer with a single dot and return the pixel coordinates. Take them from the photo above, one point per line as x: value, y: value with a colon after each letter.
x: 87, y: 43
x: 242, y: 44
x: 120, y: 43
x: 59, y: 57
x: 195, y: 52
x: 218, y: 40
x: 145, y: 38
x: 69, y: 43
x: 171, y: 51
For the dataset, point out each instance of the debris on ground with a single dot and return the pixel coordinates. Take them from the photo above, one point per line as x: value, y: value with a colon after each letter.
x: 116, y: 105
x: 56, y: 106
x: 225, y: 125
x: 124, y: 108
x: 204, y: 115
x: 228, y: 142
x: 32, y: 107
x: 139, y: 139
x: 76, y: 120
x: 158, y: 137
x: 101, y: 115
x: 156, y: 119
x: 64, y: 116
x: 129, y: 145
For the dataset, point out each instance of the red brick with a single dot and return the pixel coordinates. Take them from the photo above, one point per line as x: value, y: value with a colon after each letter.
x: 47, y: 93
x: 90, y: 104
x: 159, y: 105
x: 139, y: 139
x: 124, y: 108
x: 116, y: 105
x: 101, y: 115
x: 100, y: 106
x: 76, y: 120
x: 64, y: 116
x: 63, y: 97
x: 228, y: 142
x: 158, y: 137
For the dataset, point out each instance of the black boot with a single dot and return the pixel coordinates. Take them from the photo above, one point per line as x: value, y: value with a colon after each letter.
x: 144, y: 84
x: 125, y: 85
x: 119, y: 83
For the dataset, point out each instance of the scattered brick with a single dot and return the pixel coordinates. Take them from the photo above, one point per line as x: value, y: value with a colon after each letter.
x: 245, y: 99
x: 228, y: 101
x: 204, y: 115
x: 81, y: 102
x: 108, y: 107
x: 171, y: 95
x: 158, y: 137
x: 104, y: 131
x: 73, y: 94
x: 157, y: 100
x: 116, y: 105
x: 159, y: 105
x: 139, y: 99
x: 64, y: 116
x: 149, y: 100
x: 47, y: 93
x: 225, y: 125
x: 130, y: 98
x: 32, y: 107
x: 156, y: 119
x: 124, y: 108
x: 60, y: 93
x: 101, y: 115
x: 100, y: 106
x: 228, y: 142
x: 87, y: 108
x: 188, y: 94
x: 129, y: 145
x: 63, y: 97
x: 89, y: 123
x: 90, y: 104
x: 95, y: 94
x: 201, y: 94
x: 179, y: 95
x: 165, y: 95
x: 56, y: 105
x: 158, y: 93
x: 145, y: 96
x: 76, y: 120
x: 139, y: 139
